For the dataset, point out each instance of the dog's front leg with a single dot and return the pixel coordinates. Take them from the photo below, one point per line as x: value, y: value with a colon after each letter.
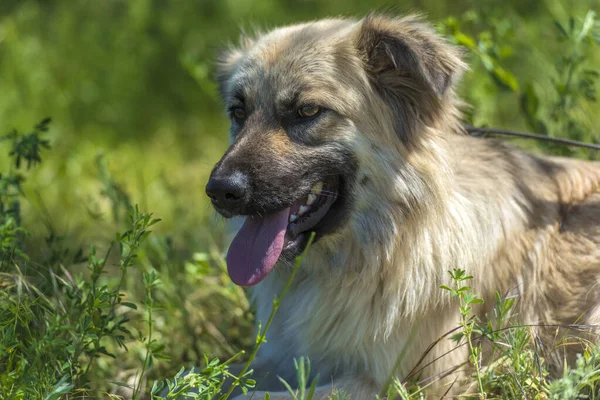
x: 348, y: 388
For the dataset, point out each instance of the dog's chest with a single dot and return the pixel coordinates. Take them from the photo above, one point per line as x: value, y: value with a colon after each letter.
x: 339, y: 327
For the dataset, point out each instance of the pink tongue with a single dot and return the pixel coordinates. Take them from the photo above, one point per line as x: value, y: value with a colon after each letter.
x: 256, y: 248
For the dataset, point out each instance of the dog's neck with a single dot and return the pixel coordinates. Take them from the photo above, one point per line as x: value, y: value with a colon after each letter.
x: 422, y: 224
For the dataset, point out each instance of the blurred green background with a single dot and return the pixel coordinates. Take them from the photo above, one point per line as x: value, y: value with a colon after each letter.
x: 136, y: 118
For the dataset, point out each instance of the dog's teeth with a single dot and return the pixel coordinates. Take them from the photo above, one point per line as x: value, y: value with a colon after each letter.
x: 311, y: 199
x: 293, y: 217
x: 303, y: 210
x: 317, y: 188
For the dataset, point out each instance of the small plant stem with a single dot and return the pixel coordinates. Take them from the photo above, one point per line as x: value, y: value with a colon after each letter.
x: 148, y: 343
x: 468, y: 330
x: 276, y: 303
x: 124, y: 266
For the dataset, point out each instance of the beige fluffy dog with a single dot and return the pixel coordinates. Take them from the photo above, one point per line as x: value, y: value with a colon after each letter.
x: 352, y: 129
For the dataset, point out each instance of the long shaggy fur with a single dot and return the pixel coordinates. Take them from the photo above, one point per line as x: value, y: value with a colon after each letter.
x: 426, y: 199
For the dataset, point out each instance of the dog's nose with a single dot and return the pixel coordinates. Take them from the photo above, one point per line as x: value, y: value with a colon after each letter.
x: 227, y: 191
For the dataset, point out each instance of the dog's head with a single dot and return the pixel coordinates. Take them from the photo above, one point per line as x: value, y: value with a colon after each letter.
x: 313, y: 107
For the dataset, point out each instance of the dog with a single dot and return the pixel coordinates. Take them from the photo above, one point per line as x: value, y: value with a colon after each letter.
x: 352, y: 129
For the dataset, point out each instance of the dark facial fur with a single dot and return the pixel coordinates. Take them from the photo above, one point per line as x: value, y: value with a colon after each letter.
x: 335, y: 66
x: 282, y: 153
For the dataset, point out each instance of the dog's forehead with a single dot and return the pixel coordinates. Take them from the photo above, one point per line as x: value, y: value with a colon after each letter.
x: 300, y: 40
x: 290, y: 59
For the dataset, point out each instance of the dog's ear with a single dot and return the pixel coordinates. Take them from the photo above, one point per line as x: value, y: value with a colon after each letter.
x: 411, y: 67
x: 228, y: 59
x: 395, y: 49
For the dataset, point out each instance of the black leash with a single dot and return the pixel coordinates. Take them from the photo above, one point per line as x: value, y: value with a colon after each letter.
x: 474, y: 131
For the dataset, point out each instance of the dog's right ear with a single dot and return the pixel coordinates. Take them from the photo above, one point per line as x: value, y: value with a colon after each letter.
x: 227, y: 61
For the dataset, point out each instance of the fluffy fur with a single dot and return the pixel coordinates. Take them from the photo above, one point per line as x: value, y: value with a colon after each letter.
x: 426, y: 198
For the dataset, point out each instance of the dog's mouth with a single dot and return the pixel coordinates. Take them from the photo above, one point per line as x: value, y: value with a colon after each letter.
x: 305, y: 215
x: 261, y: 240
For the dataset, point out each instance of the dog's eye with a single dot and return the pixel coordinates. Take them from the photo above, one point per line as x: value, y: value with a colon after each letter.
x: 308, y: 111
x: 239, y: 113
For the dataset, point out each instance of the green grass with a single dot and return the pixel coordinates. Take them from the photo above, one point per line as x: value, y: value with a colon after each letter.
x: 87, y: 311
x: 69, y: 322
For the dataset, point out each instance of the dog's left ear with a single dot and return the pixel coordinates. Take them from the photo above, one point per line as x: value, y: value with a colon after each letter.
x: 397, y: 49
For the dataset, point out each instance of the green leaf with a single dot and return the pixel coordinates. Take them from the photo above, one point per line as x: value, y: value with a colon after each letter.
x: 103, y: 350
x: 249, y: 382
x: 505, y: 79
x: 313, y: 387
x: 464, y: 40
x: 571, y: 24
x: 128, y: 304
x: 60, y: 389
x: 457, y: 337
x: 588, y: 25
x: 529, y: 101
x: 288, y: 388
x: 157, y: 387
x: 561, y: 30
x: 508, y: 304
x: 162, y: 356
